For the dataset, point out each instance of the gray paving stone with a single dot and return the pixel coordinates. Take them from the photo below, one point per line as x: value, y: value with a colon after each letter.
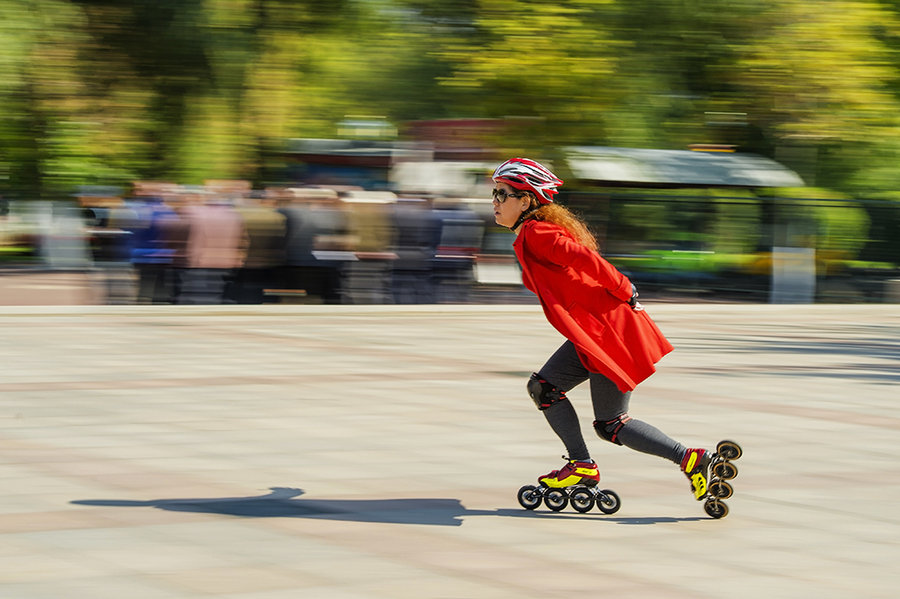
x: 374, y: 452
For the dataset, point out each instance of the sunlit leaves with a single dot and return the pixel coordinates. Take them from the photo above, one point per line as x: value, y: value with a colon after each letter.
x: 106, y: 91
x: 823, y: 72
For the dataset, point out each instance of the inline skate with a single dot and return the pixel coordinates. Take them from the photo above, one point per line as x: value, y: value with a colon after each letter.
x: 709, y: 474
x: 575, y: 483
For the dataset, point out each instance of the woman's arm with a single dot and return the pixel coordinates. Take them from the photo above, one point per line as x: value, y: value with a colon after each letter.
x: 549, y: 242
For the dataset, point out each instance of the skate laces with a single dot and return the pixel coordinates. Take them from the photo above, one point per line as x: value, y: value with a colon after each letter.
x: 572, y: 466
x: 573, y: 472
x: 567, y: 469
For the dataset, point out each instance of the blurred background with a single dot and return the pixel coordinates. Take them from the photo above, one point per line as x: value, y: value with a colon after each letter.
x: 339, y: 151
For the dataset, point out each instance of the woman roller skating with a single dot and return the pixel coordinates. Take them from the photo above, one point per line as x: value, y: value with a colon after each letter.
x: 610, y: 342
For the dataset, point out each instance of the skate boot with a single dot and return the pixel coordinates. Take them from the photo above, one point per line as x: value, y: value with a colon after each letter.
x: 573, y: 473
x: 575, y: 483
x: 709, y: 474
x: 695, y: 465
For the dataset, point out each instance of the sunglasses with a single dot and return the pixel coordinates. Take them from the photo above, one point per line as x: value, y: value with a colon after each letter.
x: 500, y: 195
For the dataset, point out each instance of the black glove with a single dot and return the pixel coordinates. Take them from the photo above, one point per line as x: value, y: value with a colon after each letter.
x: 634, y: 295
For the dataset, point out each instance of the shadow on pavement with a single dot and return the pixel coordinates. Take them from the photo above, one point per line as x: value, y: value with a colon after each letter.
x: 283, y: 502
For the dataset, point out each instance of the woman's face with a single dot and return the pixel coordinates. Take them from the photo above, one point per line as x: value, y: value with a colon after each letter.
x: 509, y: 204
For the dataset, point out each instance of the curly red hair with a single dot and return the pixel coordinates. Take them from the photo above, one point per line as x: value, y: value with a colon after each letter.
x: 562, y: 216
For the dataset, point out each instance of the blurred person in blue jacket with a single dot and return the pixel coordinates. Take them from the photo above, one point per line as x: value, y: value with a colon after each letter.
x: 151, y: 254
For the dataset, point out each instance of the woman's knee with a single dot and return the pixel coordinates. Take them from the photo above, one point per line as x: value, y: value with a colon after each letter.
x: 544, y: 394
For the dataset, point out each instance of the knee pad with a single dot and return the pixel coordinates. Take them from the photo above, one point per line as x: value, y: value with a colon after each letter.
x: 609, y: 430
x: 543, y: 393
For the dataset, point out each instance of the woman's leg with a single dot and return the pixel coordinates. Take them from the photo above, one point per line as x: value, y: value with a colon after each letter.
x: 563, y: 371
x: 614, y: 424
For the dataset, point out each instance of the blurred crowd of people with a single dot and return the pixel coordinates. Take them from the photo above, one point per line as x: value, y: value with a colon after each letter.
x: 223, y: 243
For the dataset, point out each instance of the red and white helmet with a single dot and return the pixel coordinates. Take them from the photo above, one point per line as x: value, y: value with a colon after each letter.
x: 528, y: 175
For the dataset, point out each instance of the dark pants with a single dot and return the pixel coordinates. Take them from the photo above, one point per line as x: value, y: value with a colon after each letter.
x: 565, y: 371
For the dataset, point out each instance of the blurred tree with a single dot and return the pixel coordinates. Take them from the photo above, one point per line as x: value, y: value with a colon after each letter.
x: 190, y: 58
x: 103, y: 91
x: 551, y: 61
x: 817, y: 79
x: 678, y: 69
x: 45, y: 122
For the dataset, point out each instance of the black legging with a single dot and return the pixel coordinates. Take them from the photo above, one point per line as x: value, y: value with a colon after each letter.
x: 564, y: 370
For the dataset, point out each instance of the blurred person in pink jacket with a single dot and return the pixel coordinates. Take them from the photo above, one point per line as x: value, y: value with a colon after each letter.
x: 213, y: 250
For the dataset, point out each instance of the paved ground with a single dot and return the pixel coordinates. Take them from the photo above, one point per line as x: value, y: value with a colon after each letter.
x: 375, y: 452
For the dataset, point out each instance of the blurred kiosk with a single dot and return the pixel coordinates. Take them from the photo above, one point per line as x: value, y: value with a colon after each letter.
x: 793, y: 274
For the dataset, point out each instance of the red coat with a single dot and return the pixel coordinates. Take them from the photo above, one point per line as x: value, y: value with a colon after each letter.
x: 586, y: 299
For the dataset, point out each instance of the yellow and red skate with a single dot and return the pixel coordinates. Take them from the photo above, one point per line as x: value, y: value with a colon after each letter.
x: 709, y: 474
x: 575, y: 482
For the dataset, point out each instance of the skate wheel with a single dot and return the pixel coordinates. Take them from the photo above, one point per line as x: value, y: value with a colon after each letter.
x: 724, y: 470
x: 556, y: 499
x: 529, y: 497
x: 729, y: 450
x: 716, y: 508
x: 720, y: 489
x: 608, y: 501
x: 582, y: 500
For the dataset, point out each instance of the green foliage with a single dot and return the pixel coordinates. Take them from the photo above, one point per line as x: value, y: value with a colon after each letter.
x: 547, y: 60
x: 737, y: 224
x: 838, y: 227
x: 103, y: 91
